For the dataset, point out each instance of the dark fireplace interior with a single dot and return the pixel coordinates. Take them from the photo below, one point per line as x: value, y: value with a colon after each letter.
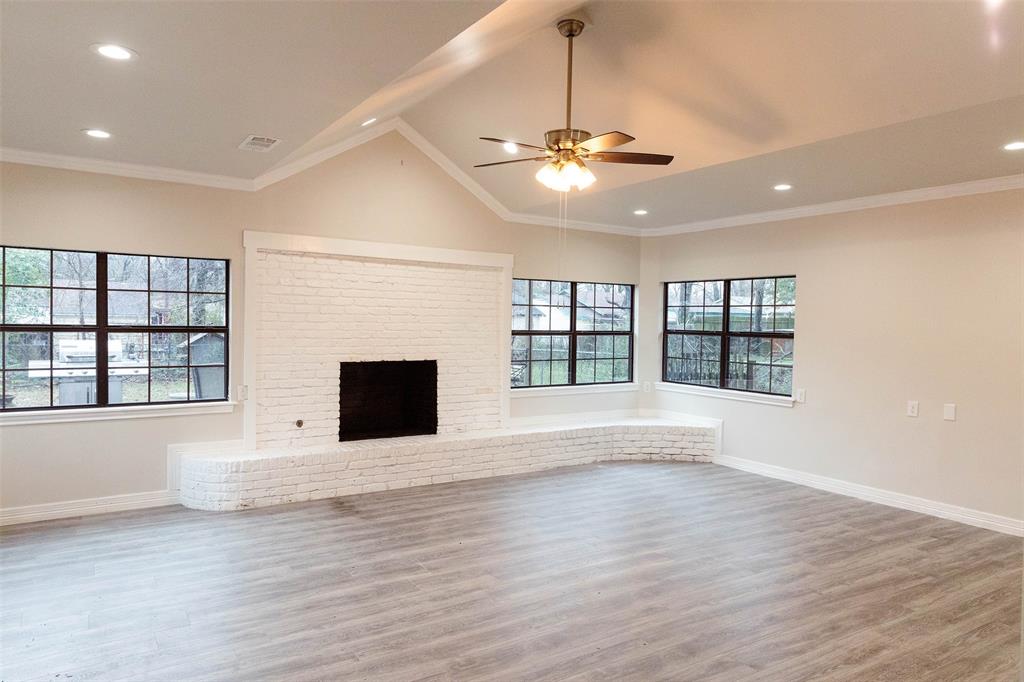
x: 387, y: 399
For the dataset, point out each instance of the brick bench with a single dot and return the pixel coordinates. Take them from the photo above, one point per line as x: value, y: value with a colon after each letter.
x: 232, y: 478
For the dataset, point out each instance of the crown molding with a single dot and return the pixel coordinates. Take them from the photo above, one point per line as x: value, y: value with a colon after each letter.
x: 128, y: 170
x: 911, y: 196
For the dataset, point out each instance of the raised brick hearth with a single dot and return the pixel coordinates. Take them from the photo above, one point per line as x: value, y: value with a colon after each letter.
x: 229, y: 477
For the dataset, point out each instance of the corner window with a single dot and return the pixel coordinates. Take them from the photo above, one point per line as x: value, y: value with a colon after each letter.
x: 94, y: 329
x: 571, y: 333
x: 733, y: 334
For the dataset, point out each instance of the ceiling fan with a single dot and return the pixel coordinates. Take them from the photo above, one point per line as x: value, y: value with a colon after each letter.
x: 567, y: 149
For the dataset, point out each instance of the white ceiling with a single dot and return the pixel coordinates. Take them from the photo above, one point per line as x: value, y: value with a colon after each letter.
x: 841, y: 99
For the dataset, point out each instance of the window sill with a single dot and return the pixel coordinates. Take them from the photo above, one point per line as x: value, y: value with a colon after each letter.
x: 93, y: 414
x: 726, y: 394
x: 586, y: 389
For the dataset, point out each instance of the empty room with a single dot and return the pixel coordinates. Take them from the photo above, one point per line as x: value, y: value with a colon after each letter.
x: 511, y: 340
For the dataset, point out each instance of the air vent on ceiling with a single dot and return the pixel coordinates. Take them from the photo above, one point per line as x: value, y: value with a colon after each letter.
x: 258, y: 143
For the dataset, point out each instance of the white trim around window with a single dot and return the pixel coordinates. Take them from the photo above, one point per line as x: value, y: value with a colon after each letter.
x: 578, y: 389
x: 726, y: 394
x: 96, y: 414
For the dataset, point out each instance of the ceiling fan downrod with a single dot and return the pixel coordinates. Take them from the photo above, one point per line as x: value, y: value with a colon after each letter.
x: 570, y: 28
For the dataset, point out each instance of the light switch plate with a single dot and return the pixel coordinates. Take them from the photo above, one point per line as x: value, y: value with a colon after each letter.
x: 801, y: 395
x: 647, y: 387
x: 949, y: 412
x: 912, y: 408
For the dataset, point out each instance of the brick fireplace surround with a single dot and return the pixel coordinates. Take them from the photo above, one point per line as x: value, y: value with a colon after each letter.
x: 312, y: 303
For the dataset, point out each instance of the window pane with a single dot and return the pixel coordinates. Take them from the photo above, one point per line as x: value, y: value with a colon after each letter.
x: 26, y: 350
x: 27, y: 306
x: 621, y: 370
x: 74, y: 306
x: 604, y: 295
x: 604, y: 319
x: 27, y: 388
x: 74, y: 269
x: 694, y: 318
x: 584, y: 371
x: 540, y: 318
x: 621, y: 320
x: 690, y: 371
x: 714, y: 293
x: 760, y: 350
x: 560, y: 372
x: 739, y: 377
x: 560, y: 318
x: 168, y: 274
x: 623, y: 295
x: 782, y: 380
x: 74, y: 349
x: 785, y: 318
x: 520, y: 291
x: 586, y: 347
x: 674, y: 369
x: 675, y: 294
x: 168, y: 349
x: 785, y: 291
x: 127, y: 272
x: 540, y: 292
x: 168, y: 384
x: 782, y: 351
x: 520, y: 377
x: 127, y: 307
x: 128, y: 350
x: 540, y: 348
x: 622, y: 346
x: 168, y: 308
x: 207, y: 383
x: 520, y: 348
x: 206, y: 275
x: 738, y: 348
x: 739, y: 292
x: 561, y: 294
x: 604, y: 370
x: 691, y: 346
x: 676, y: 318
x: 762, y: 378
x: 520, y: 317
x: 711, y: 347
x: 675, y: 345
x: 123, y: 389
x: 763, y: 292
x: 693, y: 293
x: 540, y: 373
x: 709, y: 373
x: 605, y: 347
x: 763, y: 319
x: 584, y: 319
x: 74, y: 386
x: 559, y: 347
x: 585, y: 295
x: 27, y: 266
x: 207, y: 310
x: 739, y: 318
x: 713, y: 318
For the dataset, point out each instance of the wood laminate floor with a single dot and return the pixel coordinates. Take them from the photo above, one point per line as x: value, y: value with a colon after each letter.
x: 615, y: 571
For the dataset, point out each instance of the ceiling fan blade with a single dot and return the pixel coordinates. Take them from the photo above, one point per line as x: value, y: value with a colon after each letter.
x: 631, y: 157
x: 604, y: 141
x: 518, y: 144
x: 502, y: 163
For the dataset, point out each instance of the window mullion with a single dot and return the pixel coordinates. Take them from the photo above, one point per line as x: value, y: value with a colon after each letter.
x: 723, y: 354
x: 572, y: 334
x: 102, y: 318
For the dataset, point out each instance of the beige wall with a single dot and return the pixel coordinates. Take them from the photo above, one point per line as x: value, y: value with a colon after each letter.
x: 921, y: 301
x: 383, y: 191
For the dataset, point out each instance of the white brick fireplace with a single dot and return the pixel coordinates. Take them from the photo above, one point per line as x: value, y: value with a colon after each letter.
x: 319, y: 302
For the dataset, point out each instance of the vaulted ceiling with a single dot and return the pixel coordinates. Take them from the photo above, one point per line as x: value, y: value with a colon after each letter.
x: 841, y: 100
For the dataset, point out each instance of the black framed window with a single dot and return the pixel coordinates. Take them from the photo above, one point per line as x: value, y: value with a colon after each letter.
x: 153, y: 329
x: 735, y: 334
x: 566, y: 333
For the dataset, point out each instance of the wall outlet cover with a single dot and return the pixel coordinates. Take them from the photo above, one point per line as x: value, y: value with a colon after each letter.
x: 912, y: 408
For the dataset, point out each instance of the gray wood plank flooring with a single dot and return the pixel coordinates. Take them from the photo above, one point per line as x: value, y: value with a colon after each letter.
x: 620, y: 571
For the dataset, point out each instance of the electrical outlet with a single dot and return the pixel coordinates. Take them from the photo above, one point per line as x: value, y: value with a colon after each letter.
x: 949, y: 412
x: 647, y: 387
x: 801, y: 395
x: 911, y: 408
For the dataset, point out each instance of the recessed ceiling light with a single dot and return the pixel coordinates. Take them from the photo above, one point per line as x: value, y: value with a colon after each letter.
x: 96, y: 132
x: 640, y: 211
x: 368, y: 121
x: 511, y: 147
x: 111, y: 51
x: 782, y: 187
x: 1014, y: 146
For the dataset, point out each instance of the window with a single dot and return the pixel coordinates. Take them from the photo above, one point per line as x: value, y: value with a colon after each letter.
x: 735, y: 334
x: 152, y: 328
x: 566, y: 333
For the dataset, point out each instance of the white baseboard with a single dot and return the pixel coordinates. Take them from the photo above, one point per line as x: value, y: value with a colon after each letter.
x: 94, y: 505
x: 972, y: 517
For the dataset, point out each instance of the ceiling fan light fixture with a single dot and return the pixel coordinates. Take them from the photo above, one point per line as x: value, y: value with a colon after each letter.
x: 562, y: 176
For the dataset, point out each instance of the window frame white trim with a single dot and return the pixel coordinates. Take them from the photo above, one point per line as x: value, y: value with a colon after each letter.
x: 114, y: 412
x: 577, y: 389
x: 726, y: 394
